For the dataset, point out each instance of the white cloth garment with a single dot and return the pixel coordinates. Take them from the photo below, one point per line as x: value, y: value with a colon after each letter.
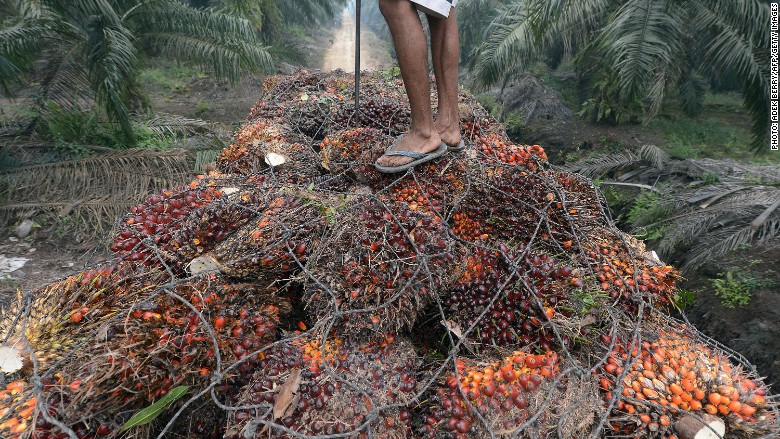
x: 437, y: 8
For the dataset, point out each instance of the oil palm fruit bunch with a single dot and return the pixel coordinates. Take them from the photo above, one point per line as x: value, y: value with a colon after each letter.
x: 496, y: 148
x: 160, y: 344
x: 61, y: 317
x: 312, y: 386
x: 628, y: 274
x: 17, y: 407
x: 303, y: 101
x: 378, y: 267
x: 389, y: 116
x: 512, y: 298
x: 247, y: 154
x: 171, y: 228
x: 483, y: 397
x: 277, y: 241
x: 656, y: 384
x: 353, y: 153
x: 435, y: 188
x: 286, y: 88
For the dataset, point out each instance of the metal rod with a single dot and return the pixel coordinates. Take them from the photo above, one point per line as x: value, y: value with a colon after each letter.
x: 357, y: 59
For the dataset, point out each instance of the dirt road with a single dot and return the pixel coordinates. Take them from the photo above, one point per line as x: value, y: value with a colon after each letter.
x: 341, y: 55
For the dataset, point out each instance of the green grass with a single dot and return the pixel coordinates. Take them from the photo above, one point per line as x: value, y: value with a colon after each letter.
x: 70, y: 130
x: 168, y: 76
x: 721, y: 131
x: 689, y: 138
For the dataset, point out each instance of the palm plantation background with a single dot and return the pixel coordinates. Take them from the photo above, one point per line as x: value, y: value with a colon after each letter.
x: 664, y: 103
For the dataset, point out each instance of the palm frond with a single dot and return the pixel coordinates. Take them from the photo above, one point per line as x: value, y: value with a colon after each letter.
x: 111, y: 57
x: 83, y: 218
x: 64, y: 80
x: 718, y: 245
x: 605, y: 164
x: 227, y: 59
x: 641, y: 39
x: 692, y: 89
x: 511, y: 42
x: 127, y: 172
x: 171, y: 125
x: 655, y: 155
x: 741, y: 43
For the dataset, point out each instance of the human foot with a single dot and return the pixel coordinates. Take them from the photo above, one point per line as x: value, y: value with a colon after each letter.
x: 449, y: 133
x: 403, y: 156
x: 413, y: 143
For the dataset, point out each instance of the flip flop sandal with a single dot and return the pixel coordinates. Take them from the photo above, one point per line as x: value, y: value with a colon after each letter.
x: 457, y: 148
x: 418, y: 159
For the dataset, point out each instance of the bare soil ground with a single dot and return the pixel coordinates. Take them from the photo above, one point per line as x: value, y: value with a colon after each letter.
x: 341, y: 54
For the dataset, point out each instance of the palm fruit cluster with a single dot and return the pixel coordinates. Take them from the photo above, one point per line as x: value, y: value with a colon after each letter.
x: 17, y: 406
x: 504, y: 393
x: 305, y: 101
x: 630, y: 278
x: 171, y: 228
x: 664, y: 377
x: 316, y: 387
x: 378, y: 267
x: 244, y: 156
x: 512, y: 298
x: 276, y: 241
x: 180, y: 339
x: 353, y: 152
x: 62, y: 316
x: 432, y: 189
x: 492, y: 244
x: 386, y: 115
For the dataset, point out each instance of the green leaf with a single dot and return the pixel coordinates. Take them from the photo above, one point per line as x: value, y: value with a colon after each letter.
x: 151, y: 413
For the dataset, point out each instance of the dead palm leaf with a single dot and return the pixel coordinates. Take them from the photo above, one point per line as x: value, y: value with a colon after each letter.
x: 93, y: 190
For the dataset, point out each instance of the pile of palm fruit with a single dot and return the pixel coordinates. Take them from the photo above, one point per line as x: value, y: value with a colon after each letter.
x: 296, y: 292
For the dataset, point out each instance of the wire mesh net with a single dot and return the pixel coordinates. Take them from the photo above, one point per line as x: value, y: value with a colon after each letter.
x: 297, y: 292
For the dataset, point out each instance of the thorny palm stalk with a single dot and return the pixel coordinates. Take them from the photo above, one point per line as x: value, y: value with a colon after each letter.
x: 634, y: 50
x: 92, y: 47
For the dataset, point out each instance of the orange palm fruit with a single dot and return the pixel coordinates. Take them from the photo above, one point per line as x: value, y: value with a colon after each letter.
x: 714, y: 398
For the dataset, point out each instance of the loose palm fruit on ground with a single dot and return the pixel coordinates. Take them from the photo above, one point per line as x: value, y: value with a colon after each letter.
x: 321, y: 389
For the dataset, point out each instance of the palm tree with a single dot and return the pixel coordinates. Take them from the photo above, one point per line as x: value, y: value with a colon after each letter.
x: 270, y: 17
x: 90, y: 49
x: 634, y: 51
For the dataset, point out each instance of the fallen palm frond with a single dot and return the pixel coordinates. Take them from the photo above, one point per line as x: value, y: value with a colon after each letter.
x: 606, y: 164
x: 91, y: 191
x: 712, y: 207
x: 171, y: 125
x: 79, y: 218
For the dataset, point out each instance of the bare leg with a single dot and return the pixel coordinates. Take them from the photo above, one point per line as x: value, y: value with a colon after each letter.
x: 412, y: 49
x: 445, y: 46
